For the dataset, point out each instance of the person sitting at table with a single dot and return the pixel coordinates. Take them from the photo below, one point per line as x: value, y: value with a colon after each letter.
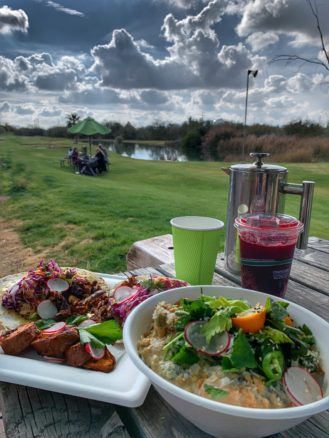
x: 101, y: 160
x: 75, y: 157
x: 105, y: 153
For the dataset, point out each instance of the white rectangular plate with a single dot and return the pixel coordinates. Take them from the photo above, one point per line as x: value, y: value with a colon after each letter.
x: 125, y: 385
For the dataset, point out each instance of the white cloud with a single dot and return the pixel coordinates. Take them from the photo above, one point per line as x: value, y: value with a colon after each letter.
x: 260, y: 40
x: 289, y: 17
x: 50, y: 112
x: 153, y: 97
x: 41, y: 72
x: 299, y: 83
x: 60, y: 8
x: 10, y: 78
x: 196, y: 59
x: 4, y: 107
x: 275, y: 84
x: 91, y: 95
x: 13, y: 20
x: 283, y: 102
x: 24, y: 109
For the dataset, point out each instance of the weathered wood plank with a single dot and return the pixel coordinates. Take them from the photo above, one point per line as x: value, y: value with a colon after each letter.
x: 319, y: 244
x: 150, y: 252
x: 157, y: 419
x: 34, y: 413
x: 311, y: 276
x: 316, y: 427
x: 313, y: 257
x: 218, y: 279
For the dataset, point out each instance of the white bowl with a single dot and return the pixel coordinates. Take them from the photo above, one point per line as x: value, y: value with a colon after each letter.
x: 215, y: 418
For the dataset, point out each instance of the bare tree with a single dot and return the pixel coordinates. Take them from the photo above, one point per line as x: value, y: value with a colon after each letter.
x: 291, y: 58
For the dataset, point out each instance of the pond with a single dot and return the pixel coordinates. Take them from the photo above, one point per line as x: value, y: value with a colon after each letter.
x: 148, y: 152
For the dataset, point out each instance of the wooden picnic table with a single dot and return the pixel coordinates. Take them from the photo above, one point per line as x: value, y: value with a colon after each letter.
x: 29, y: 412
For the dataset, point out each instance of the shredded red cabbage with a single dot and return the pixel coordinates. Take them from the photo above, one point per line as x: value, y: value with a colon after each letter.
x: 148, y: 287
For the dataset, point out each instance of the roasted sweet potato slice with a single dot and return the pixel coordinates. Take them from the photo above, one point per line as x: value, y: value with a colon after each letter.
x: 18, y: 340
x: 105, y: 365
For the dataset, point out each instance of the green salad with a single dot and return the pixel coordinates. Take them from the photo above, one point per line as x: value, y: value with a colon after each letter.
x: 216, y: 346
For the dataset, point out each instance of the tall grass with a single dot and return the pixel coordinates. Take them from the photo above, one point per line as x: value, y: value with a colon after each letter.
x: 226, y: 143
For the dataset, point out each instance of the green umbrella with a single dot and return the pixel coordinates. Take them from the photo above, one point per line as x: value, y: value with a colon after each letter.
x: 89, y: 127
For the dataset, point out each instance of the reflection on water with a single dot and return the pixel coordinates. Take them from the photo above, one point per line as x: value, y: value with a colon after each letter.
x: 147, y: 152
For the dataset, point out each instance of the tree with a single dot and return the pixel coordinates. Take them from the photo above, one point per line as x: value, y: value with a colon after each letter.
x: 290, y: 58
x: 191, y: 144
x: 72, y: 119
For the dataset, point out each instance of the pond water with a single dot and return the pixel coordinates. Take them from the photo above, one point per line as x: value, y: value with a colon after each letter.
x: 148, y: 152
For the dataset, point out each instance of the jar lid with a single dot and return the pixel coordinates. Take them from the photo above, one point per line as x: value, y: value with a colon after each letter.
x: 266, y: 168
x: 268, y: 223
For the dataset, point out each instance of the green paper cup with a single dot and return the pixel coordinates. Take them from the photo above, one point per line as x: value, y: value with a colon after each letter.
x: 196, y: 244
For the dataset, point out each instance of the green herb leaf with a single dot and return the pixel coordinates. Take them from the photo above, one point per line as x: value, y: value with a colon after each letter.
x: 88, y: 338
x: 222, y: 302
x: 276, y: 336
x: 242, y: 354
x: 185, y: 357
x: 75, y: 319
x: 42, y: 324
x: 216, y: 324
x: 278, y: 311
x: 198, y: 309
x: 183, y: 318
x: 227, y: 365
x: 268, y: 305
x: 173, y: 341
x: 106, y: 332
x: 215, y: 392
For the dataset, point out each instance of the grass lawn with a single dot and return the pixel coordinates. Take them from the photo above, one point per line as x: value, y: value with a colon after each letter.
x: 91, y: 222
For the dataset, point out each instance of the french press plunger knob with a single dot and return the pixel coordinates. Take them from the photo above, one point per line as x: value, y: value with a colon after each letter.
x: 259, y: 156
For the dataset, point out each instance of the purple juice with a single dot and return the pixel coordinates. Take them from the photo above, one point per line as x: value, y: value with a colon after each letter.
x: 267, y: 245
x: 266, y: 268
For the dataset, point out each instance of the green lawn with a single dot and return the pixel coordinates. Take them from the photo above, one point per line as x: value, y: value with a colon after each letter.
x: 91, y: 222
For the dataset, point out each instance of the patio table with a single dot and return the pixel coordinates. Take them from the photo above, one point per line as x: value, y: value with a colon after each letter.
x: 29, y: 412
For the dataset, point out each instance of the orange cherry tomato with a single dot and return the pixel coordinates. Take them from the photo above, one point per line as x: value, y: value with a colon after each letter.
x: 251, y: 320
x: 288, y: 320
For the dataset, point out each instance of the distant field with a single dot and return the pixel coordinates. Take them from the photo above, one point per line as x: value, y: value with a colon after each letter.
x: 92, y: 222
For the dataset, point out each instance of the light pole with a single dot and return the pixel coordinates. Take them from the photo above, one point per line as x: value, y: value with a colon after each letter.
x: 254, y: 73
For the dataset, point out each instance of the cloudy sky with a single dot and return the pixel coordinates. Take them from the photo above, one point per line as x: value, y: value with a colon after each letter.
x: 160, y: 60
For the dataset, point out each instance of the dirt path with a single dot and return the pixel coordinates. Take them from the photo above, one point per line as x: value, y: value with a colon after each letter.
x: 14, y: 257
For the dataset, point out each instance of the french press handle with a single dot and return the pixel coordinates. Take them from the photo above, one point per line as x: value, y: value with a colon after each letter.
x: 259, y: 156
x: 306, y: 191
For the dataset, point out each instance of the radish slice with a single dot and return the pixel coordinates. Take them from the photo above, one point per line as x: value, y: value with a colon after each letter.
x: 95, y: 353
x: 301, y: 387
x: 57, y: 285
x: 54, y: 359
x: 86, y: 323
x: 116, y: 351
x: 122, y: 293
x: 56, y: 328
x: 194, y: 336
x: 46, y: 309
x: 14, y: 289
x: 230, y: 343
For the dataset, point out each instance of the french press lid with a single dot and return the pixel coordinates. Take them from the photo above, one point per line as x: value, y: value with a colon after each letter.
x: 259, y: 166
